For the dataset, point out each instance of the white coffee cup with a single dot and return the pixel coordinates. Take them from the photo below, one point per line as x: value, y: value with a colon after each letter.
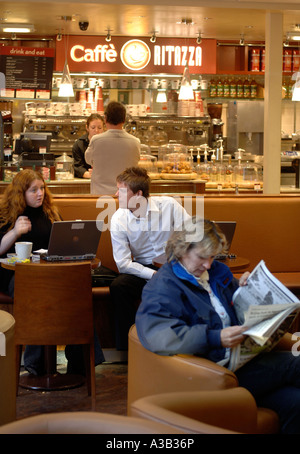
x: 81, y: 83
x: 113, y: 83
x: 57, y: 82
x: 124, y: 83
x: 135, y: 83
x: 23, y: 249
x: 164, y: 83
x: 101, y: 83
x: 194, y: 83
x: 92, y: 81
x: 175, y: 84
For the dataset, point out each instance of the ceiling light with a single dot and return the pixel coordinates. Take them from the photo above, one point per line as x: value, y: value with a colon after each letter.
x: 242, y: 40
x: 293, y: 36
x: 58, y: 37
x: 161, y: 96
x: 186, y: 89
x: 153, y: 37
x: 286, y: 43
x: 199, y: 39
x: 66, y: 86
x: 17, y: 28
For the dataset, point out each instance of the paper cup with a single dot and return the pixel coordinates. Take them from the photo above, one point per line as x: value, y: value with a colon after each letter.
x: 23, y: 249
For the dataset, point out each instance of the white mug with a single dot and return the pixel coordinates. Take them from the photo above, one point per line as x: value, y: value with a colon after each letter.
x: 194, y: 83
x: 113, y: 83
x: 135, y: 83
x: 101, y: 83
x: 164, y: 83
x: 92, y: 81
x: 57, y: 81
x: 154, y: 83
x: 80, y: 83
x: 23, y: 249
x: 124, y: 83
x: 175, y: 84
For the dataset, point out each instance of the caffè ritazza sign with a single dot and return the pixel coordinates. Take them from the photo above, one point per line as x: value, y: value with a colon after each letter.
x: 139, y: 56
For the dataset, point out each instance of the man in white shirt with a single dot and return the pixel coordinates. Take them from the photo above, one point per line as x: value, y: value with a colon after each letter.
x: 111, y: 152
x: 140, y: 229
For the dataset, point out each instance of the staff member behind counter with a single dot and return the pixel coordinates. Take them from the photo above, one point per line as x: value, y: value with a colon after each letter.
x: 94, y: 125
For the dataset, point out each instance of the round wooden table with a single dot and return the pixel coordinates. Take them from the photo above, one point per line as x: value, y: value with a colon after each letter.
x: 51, y: 380
x: 234, y: 263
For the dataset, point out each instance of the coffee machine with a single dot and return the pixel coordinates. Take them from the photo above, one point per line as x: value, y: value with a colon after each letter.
x: 215, y: 112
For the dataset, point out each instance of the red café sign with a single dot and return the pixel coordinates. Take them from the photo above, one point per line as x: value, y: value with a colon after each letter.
x: 136, y: 55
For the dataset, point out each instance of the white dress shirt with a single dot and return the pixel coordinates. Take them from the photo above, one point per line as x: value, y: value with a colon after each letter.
x: 137, y: 241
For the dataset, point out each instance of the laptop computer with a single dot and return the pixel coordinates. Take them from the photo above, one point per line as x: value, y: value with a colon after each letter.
x: 228, y: 228
x: 73, y: 240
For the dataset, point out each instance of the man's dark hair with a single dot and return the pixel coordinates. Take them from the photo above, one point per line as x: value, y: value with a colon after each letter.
x: 115, y: 113
x: 136, y: 178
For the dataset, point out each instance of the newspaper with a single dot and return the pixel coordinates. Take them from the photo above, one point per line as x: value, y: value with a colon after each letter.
x: 267, y: 309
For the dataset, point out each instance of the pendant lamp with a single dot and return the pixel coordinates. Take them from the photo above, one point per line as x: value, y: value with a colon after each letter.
x: 161, y: 96
x: 186, y: 89
x: 66, y: 86
x: 296, y: 87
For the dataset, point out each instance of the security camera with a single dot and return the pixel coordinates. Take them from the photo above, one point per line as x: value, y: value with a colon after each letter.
x: 84, y: 25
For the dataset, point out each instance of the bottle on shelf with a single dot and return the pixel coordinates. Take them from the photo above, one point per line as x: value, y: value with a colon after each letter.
x: 240, y: 88
x: 232, y: 88
x: 213, y: 88
x: 226, y: 88
x: 246, y: 89
x: 220, y: 88
x: 253, y: 89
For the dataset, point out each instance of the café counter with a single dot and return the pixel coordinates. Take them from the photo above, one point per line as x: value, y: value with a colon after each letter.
x: 82, y: 186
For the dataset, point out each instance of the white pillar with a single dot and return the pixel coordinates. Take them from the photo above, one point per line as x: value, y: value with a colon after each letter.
x: 272, y: 110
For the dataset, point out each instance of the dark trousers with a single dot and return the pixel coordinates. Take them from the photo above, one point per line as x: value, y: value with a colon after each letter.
x: 126, y: 291
x: 274, y: 381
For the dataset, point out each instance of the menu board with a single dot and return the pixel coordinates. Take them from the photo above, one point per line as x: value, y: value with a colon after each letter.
x: 27, y: 72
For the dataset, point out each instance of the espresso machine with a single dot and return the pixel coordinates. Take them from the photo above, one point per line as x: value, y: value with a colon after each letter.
x: 215, y: 112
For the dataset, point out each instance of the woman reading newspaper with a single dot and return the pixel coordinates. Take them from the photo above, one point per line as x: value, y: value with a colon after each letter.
x: 187, y: 308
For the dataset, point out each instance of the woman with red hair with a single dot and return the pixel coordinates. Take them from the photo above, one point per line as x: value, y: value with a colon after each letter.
x: 26, y: 214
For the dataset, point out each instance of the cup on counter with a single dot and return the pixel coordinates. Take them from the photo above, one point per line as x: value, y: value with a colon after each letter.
x: 92, y: 82
x: 194, y: 83
x: 23, y: 249
x: 164, y: 83
x: 113, y: 83
x: 101, y: 83
x: 135, y: 83
x: 81, y: 82
x: 57, y: 82
x: 124, y: 83
x: 154, y: 83
x: 145, y: 83
x: 175, y: 84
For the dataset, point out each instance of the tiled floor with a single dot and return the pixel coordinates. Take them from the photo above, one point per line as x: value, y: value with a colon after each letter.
x: 111, y: 389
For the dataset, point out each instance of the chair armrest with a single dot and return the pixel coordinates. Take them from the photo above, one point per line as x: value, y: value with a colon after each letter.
x: 201, y: 411
x: 149, y: 373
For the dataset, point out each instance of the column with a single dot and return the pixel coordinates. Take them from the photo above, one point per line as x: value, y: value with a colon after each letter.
x: 272, y: 103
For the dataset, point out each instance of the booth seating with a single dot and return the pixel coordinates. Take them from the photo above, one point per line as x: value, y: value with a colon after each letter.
x: 7, y: 368
x: 267, y: 228
x: 150, y: 374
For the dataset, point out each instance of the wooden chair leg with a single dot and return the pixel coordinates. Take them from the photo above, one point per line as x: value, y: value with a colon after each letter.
x: 18, y: 365
x: 89, y: 357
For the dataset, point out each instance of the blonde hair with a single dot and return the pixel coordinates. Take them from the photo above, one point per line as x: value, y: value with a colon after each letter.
x: 13, y: 201
x: 196, y: 233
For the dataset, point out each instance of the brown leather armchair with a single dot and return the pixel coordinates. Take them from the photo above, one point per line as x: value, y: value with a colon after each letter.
x: 82, y: 422
x: 204, y: 412
x: 151, y: 374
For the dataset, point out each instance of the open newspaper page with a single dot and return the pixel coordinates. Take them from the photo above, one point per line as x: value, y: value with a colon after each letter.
x: 267, y: 308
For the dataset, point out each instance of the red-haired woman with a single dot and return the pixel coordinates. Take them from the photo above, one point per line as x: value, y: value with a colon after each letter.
x: 26, y: 214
